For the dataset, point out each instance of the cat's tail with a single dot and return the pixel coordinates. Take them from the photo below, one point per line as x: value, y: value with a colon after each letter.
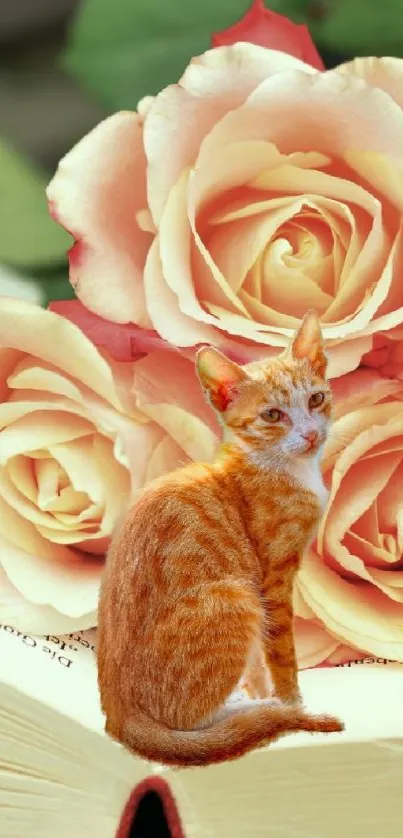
x: 242, y: 729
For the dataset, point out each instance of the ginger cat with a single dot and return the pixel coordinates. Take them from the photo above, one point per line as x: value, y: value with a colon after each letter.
x: 198, y: 581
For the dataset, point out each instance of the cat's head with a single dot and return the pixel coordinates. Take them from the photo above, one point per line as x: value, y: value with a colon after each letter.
x: 278, y: 408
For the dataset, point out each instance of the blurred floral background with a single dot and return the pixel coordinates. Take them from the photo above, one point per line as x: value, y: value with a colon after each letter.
x: 66, y: 64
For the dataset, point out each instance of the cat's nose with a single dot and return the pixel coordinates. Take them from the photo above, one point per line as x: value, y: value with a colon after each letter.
x: 310, y: 436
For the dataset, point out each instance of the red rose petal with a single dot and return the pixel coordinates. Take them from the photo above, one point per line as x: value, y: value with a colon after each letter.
x: 122, y: 342
x: 266, y: 28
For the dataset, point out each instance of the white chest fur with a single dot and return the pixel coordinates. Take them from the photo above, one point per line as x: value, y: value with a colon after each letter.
x: 307, y: 472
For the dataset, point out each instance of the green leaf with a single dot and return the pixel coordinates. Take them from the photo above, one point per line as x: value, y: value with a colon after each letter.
x: 55, y: 285
x: 29, y: 238
x: 127, y: 49
x: 21, y: 286
x: 361, y: 27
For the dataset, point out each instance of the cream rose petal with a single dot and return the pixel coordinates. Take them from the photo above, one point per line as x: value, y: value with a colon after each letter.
x: 54, y: 339
x: 239, y: 239
x: 389, y: 297
x: 267, y: 316
x: 212, y: 295
x: 166, y: 456
x: 369, y: 259
x: 174, y: 248
x: 22, y: 475
x: 174, y: 243
x: 181, y: 115
x: 81, y: 467
x: 236, y: 324
x: 86, y: 466
x: 38, y: 429
x: 353, y: 435
x: 149, y: 385
x: 313, y: 643
x: 30, y: 375
x: 30, y: 511
x: 13, y: 411
x: 26, y: 536
x: 252, y: 121
x: 363, y: 618
x: 82, y: 400
x: 252, y: 238
x: 29, y: 618
x: 390, y: 507
x: 239, y: 164
x: 345, y: 356
x: 116, y: 481
x: 344, y: 654
x: 360, y: 389
x: 139, y: 445
x: 106, y: 169
x: 114, y: 425
x: 174, y: 267
x: 348, y: 429
x: 234, y: 165
x: 381, y: 172
x: 196, y: 440
x: 360, y: 486
x: 301, y: 609
x: 331, y: 113
x: 8, y: 360
x: 38, y: 570
x: 60, y: 441
x: 384, y: 73
x: 170, y: 322
x: 72, y: 588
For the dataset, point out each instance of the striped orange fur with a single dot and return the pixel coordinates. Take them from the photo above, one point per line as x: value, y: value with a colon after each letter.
x: 197, y: 589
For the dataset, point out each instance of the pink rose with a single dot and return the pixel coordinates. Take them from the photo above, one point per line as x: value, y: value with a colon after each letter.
x: 79, y: 434
x: 350, y: 586
x: 253, y: 189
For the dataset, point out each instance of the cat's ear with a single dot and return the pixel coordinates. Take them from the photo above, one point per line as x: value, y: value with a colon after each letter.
x: 220, y: 378
x: 308, y: 343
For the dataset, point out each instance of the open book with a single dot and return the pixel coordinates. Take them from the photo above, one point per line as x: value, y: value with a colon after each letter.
x: 60, y: 775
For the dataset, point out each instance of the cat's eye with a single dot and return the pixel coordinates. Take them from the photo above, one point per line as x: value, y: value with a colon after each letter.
x: 316, y: 399
x: 272, y: 415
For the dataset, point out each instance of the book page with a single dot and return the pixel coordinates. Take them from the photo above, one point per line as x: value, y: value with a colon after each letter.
x: 368, y: 698
x: 58, y: 671
x: 61, y: 672
x: 369, y: 660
